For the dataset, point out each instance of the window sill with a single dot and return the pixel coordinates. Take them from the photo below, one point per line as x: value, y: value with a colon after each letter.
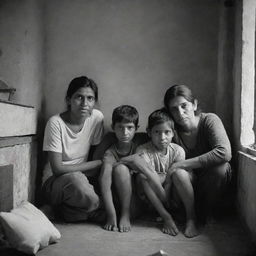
x: 251, y: 150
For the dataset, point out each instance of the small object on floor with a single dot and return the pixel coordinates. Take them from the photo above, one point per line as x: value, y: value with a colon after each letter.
x: 159, y: 253
x: 159, y: 219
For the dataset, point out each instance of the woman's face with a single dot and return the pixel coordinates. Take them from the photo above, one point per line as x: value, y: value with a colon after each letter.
x: 182, y: 111
x: 82, y: 102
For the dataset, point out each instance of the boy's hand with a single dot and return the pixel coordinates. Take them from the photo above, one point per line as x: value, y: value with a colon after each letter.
x: 135, y: 162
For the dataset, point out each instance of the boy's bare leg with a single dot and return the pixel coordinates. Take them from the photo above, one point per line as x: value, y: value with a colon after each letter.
x: 122, y: 179
x: 105, y: 182
x: 183, y: 185
x: 169, y: 224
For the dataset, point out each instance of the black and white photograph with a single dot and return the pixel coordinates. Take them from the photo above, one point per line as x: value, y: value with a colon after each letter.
x: 127, y: 127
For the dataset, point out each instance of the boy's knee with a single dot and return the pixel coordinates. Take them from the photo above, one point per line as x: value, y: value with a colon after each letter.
x: 122, y: 170
x: 180, y: 175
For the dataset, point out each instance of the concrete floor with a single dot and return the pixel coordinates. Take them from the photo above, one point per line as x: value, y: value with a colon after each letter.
x: 222, y: 238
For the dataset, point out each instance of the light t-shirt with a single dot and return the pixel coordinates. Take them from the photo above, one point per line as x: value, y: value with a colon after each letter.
x: 74, y: 147
x: 160, y: 162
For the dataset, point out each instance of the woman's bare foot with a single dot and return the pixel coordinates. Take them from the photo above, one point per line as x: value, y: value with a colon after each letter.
x: 191, y: 229
x: 124, y: 224
x: 170, y: 227
x: 111, y: 224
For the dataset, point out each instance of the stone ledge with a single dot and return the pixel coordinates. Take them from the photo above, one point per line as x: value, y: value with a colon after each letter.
x: 18, y: 140
x: 248, y: 154
x: 14, y: 103
x: 17, y: 120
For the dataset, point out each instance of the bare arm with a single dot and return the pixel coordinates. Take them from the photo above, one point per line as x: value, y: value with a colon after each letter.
x: 139, y: 164
x: 59, y: 168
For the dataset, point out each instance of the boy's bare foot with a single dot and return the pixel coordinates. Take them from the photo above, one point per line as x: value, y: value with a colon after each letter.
x: 191, y: 229
x: 124, y: 224
x: 111, y: 224
x: 170, y: 227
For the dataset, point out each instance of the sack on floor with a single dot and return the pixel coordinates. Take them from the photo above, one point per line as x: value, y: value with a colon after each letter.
x: 27, y: 229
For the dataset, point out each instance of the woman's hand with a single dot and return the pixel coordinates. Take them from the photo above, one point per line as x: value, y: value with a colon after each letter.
x: 178, y: 165
x: 188, y: 165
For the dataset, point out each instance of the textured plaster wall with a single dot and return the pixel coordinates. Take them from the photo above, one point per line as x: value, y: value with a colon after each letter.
x: 21, y: 49
x: 225, y: 80
x: 23, y: 158
x: 134, y: 50
x: 17, y: 120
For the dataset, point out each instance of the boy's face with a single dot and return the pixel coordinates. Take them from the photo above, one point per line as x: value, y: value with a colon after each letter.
x: 124, y: 131
x: 161, y: 135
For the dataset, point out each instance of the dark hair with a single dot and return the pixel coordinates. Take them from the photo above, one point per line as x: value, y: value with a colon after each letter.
x: 125, y: 113
x: 79, y: 82
x: 178, y: 90
x: 159, y: 116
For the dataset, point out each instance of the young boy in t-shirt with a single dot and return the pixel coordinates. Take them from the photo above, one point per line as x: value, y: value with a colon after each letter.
x: 153, y: 161
x: 124, y: 124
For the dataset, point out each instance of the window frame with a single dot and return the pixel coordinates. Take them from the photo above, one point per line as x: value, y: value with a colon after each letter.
x: 247, y: 133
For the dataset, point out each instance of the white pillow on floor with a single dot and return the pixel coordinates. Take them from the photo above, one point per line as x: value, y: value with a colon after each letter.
x: 27, y: 229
